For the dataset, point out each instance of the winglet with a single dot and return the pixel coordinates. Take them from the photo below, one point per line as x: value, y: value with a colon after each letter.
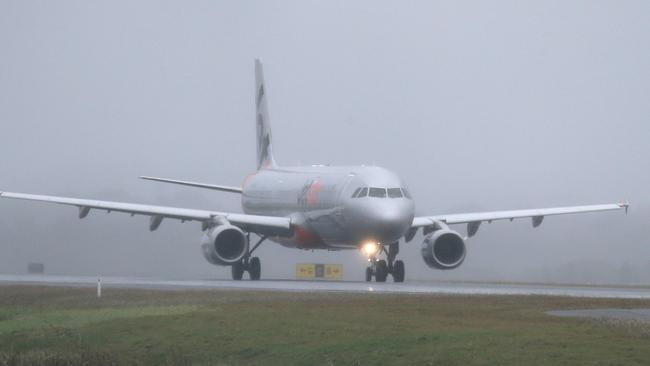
x: 625, y: 205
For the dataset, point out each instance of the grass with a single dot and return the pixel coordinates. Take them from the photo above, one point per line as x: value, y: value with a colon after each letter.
x: 70, y: 326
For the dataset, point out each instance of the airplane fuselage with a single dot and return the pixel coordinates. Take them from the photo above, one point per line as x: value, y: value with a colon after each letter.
x: 332, y: 207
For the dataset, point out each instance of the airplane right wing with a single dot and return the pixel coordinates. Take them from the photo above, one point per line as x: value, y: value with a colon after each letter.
x: 266, y: 225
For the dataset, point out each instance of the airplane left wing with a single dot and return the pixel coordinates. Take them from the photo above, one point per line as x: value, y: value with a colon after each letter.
x: 267, y: 225
x: 473, y: 220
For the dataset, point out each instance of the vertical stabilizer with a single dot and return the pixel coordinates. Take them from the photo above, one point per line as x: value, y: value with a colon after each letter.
x: 264, y: 145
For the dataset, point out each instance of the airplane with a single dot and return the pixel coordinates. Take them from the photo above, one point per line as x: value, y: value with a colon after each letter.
x: 365, y: 208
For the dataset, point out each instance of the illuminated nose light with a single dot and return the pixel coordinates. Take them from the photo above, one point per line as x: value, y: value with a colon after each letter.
x: 370, y: 248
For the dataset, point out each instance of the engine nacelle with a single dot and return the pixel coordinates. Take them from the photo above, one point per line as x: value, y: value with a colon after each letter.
x: 224, y: 245
x: 443, y: 249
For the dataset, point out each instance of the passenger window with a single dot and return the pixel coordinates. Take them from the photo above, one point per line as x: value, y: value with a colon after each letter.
x: 363, y: 193
x: 377, y: 192
x: 407, y: 194
x: 394, y: 193
x: 356, y: 191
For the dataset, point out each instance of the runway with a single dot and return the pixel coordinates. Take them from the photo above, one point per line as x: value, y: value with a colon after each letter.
x: 407, y: 287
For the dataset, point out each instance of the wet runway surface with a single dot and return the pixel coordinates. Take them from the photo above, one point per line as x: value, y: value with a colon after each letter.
x: 408, y: 287
x: 642, y: 315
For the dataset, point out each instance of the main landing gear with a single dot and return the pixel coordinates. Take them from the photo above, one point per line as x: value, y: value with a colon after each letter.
x: 250, y: 264
x: 382, y: 268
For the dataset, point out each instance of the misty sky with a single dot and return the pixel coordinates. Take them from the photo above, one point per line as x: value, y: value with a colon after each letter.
x: 477, y: 105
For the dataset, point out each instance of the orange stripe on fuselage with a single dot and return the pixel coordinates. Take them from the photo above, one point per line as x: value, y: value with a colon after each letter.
x: 305, y: 238
x: 312, y: 194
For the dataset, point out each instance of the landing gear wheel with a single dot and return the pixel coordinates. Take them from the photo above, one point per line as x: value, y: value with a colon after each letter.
x: 381, y: 270
x: 368, y: 274
x: 237, y: 270
x: 255, y: 268
x: 398, y: 271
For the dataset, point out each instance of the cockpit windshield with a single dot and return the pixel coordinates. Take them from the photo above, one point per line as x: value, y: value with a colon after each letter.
x: 407, y: 194
x: 377, y: 192
x: 394, y: 193
x: 356, y: 192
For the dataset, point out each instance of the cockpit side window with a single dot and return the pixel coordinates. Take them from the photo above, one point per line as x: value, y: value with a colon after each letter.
x: 377, y: 192
x: 363, y: 192
x: 407, y: 194
x: 394, y: 193
x: 356, y: 191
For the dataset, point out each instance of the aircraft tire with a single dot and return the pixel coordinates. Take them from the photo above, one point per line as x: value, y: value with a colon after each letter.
x: 381, y: 270
x: 255, y: 268
x: 237, y: 270
x: 368, y: 274
x: 398, y: 271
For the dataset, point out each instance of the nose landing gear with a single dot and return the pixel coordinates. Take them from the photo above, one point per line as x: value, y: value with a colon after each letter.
x: 382, y: 268
x: 398, y: 271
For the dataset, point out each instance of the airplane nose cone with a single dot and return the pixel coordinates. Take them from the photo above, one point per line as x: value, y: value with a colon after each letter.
x: 383, y: 223
x: 389, y: 225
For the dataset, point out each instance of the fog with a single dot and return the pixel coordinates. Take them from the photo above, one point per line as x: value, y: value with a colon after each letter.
x: 477, y: 105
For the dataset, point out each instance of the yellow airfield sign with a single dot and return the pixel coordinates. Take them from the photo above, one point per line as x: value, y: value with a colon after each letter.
x: 305, y: 271
x: 311, y: 271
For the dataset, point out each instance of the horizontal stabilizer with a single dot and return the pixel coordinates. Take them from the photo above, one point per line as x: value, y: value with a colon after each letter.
x: 196, y: 184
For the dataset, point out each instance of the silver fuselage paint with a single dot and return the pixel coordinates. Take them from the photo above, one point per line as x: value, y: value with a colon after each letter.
x: 319, y: 201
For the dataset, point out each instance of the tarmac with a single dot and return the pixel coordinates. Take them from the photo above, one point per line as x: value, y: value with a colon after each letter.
x: 408, y: 287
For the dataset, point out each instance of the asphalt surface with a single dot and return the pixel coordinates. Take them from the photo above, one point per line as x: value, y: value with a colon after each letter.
x: 408, y: 287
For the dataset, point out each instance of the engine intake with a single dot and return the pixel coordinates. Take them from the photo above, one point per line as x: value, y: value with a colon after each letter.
x: 443, y: 249
x: 224, y: 245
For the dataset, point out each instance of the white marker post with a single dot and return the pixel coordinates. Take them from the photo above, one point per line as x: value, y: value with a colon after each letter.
x: 99, y: 286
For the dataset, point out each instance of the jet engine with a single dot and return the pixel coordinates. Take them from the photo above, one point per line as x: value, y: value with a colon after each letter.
x: 443, y: 249
x: 224, y: 245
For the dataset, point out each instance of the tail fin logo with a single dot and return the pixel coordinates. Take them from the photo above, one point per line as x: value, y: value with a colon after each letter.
x: 260, y: 94
x: 264, y: 147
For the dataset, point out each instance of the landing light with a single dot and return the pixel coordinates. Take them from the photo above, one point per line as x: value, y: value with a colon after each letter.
x: 370, y: 248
